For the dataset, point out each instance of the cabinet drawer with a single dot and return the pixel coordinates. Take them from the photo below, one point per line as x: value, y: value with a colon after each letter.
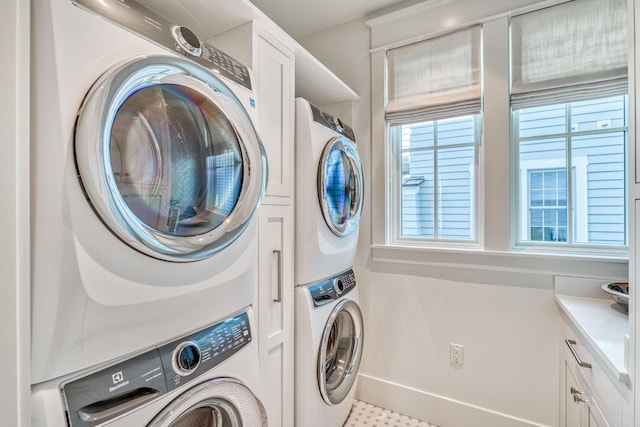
x: 604, y: 390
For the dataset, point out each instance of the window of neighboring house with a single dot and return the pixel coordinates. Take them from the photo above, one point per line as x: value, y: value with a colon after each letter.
x: 569, y: 120
x: 547, y: 205
x: 433, y: 118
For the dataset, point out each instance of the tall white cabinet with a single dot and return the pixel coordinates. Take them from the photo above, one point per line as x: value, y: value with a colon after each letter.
x: 273, y: 63
x: 275, y: 312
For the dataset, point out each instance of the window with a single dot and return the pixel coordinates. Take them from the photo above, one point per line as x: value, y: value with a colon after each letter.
x: 433, y: 126
x: 547, y: 207
x: 540, y: 168
x: 587, y: 138
x: 437, y: 198
x: 569, y: 123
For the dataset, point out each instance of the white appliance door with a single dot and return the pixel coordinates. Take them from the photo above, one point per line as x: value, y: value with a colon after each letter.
x: 169, y: 158
x: 340, y: 186
x: 340, y: 352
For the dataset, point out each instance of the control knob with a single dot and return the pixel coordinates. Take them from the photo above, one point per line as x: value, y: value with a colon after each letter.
x: 186, y: 358
x: 338, y: 124
x: 187, y: 40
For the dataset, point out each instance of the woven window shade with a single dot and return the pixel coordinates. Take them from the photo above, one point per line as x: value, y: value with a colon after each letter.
x: 570, y: 52
x: 436, y: 78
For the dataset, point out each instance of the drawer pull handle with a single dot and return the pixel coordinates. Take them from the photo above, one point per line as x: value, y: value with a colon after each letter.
x: 577, y: 398
x: 577, y: 395
x: 278, y: 255
x: 570, y: 344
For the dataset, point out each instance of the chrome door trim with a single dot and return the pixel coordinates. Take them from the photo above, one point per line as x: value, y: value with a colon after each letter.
x: 227, y: 395
x: 349, y: 372
x: 92, y: 150
x: 350, y: 150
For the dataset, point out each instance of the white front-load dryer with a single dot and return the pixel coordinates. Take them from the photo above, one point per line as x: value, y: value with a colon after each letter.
x: 206, y: 378
x: 146, y: 174
x: 329, y: 194
x: 329, y: 337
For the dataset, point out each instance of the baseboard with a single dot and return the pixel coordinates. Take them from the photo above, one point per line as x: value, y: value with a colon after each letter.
x: 439, y: 410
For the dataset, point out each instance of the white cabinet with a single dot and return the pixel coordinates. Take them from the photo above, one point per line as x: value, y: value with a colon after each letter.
x: 576, y: 410
x: 273, y: 66
x: 276, y: 116
x: 275, y: 311
x: 272, y: 63
x: 591, y: 395
x: 580, y: 407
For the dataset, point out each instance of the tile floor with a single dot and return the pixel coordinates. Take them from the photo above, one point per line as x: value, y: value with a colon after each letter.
x: 367, y: 415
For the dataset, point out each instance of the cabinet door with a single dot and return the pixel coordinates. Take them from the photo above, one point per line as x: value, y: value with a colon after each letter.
x: 576, y: 412
x: 594, y: 422
x: 275, y: 308
x: 596, y: 418
x: 276, y: 117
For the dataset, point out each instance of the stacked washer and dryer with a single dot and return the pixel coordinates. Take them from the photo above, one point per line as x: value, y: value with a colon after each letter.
x: 146, y: 175
x: 329, y: 326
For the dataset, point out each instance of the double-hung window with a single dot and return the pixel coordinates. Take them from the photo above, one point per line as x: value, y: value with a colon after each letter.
x: 569, y: 124
x: 433, y: 124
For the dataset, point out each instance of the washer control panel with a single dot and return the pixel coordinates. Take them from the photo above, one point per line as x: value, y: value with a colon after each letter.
x: 111, y: 392
x: 190, y: 356
x: 333, y: 123
x: 143, y: 21
x: 331, y: 289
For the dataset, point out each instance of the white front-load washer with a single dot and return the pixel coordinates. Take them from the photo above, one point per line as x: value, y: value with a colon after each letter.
x: 328, y: 346
x: 146, y: 174
x: 206, y: 378
x: 329, y: 194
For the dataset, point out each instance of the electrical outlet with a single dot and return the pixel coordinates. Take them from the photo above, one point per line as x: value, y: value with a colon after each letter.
x: 456, y: 355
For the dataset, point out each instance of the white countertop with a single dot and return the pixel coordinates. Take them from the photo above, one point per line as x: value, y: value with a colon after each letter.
x: 603, y: 326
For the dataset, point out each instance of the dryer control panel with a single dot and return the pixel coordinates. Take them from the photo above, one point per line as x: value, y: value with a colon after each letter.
x: 118, y: 389
x: 140, y: 19
x: 331, y: 289
x: 333, y: 123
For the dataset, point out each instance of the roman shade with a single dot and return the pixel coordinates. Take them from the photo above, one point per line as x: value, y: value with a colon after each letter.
x: 435, y: 78
x: 570, y: 52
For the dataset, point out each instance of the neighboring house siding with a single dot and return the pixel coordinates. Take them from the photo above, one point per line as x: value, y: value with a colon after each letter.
x: 605, y: 190
x: 455, y: 202
x: 455, y: 175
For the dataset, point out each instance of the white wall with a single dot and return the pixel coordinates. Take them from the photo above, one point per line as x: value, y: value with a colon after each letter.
x: 506, y: 318
x: 14, y: 215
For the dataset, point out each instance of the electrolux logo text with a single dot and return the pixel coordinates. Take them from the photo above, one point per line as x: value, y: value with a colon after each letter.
x: 118, y: 379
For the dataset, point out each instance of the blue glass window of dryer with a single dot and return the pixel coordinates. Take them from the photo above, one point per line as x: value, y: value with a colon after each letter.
x: 340, y: 186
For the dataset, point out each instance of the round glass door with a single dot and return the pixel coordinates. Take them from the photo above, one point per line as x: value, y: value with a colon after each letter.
x: 219, y: 402
x: 340, y: 352
x: 169, y: 158
x: 340, y: 186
